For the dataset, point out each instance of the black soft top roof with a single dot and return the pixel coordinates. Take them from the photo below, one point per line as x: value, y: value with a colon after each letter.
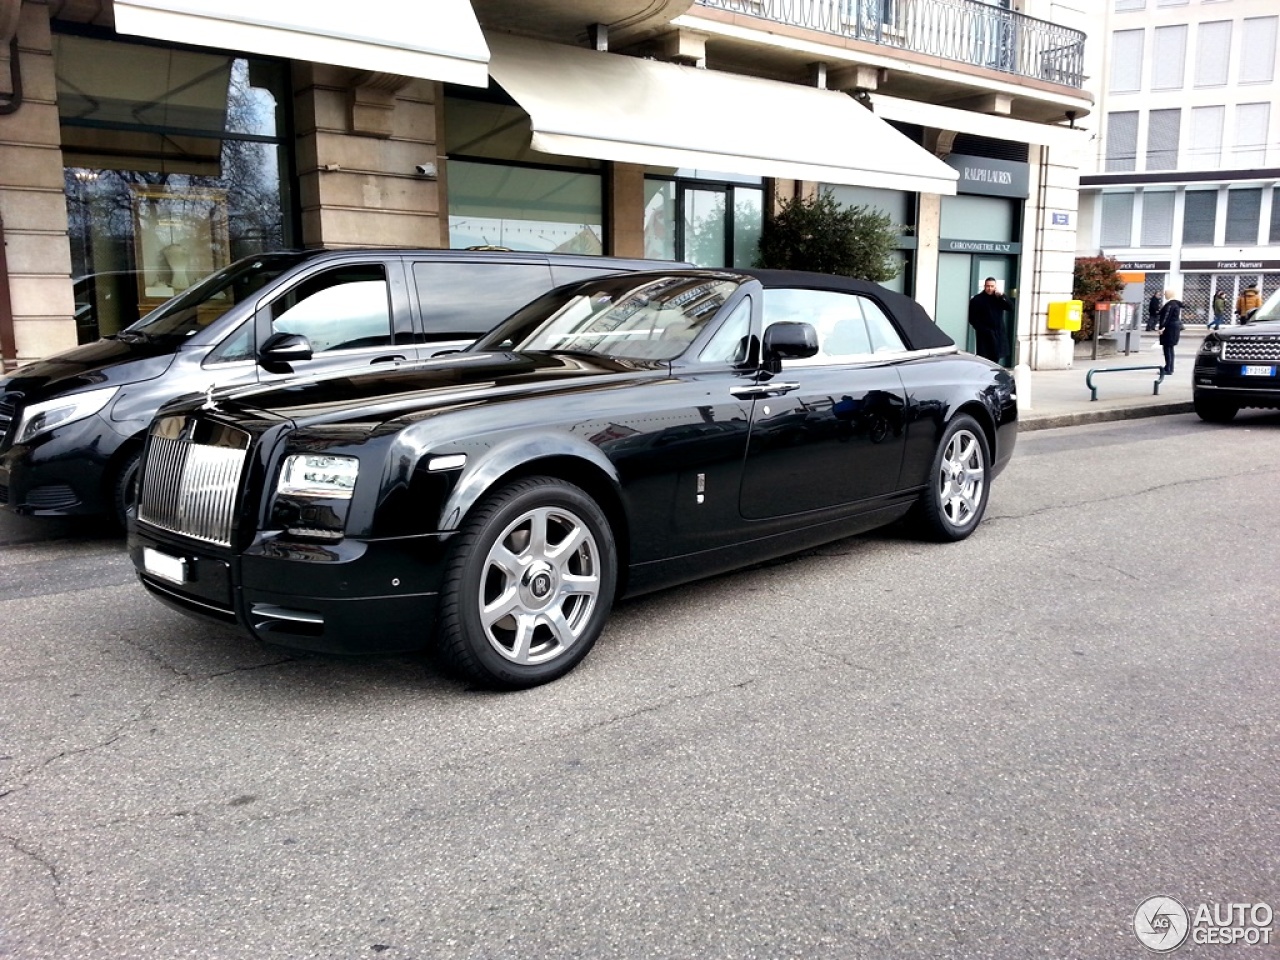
x: 912, y: 320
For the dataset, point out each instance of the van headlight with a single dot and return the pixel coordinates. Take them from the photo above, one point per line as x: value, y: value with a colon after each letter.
x: 42, y: 417
x: 319, y: 475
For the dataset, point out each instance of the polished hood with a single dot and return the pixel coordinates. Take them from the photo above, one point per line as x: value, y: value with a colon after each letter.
x: 110, y: 362
x: 440, y: 383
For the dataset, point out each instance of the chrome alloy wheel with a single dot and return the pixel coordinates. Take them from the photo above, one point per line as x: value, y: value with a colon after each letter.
x: 962, y: 476
x: 540, y: 585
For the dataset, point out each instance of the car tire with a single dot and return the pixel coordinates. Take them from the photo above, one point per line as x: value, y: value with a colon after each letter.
x: 528, y: 585
x: 955, y: 498
x: 1214, y: 410
x: 124, y: 490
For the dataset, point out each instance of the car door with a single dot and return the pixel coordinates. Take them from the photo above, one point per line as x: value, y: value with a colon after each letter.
x: 354, y: 314
x: 827, y: 431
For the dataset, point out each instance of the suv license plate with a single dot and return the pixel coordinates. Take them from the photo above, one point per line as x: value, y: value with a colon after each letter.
x: 164, y: 566
x: 1256, y: 371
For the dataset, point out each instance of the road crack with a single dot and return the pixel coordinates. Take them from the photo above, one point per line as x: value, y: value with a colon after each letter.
x: 45, y: 863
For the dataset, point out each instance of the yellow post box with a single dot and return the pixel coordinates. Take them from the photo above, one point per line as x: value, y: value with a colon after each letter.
x: 1066, y: 315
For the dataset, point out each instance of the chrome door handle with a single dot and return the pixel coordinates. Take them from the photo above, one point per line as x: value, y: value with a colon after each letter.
x: 775, y: 389
x: 392, y: 358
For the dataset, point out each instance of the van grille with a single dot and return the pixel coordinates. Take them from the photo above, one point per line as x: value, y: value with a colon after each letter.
x: 8, y: 412
x: 1266, y: 347
x: 190, y: 478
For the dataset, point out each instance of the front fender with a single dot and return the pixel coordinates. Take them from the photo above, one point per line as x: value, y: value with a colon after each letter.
x: 513, y: 455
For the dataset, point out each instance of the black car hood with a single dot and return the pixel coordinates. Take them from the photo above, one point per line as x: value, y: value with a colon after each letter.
x: 1263, y: 327
x: 100, y: 364
x: 461, y: 378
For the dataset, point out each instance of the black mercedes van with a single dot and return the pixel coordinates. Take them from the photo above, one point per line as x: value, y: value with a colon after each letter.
x: 72, y: 425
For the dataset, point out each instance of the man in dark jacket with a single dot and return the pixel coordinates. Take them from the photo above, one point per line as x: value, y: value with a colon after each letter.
x: 1170, y: 324
x: 1153, y: 311
x: 986, y: 316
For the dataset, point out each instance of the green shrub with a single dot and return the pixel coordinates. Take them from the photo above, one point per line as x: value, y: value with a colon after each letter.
x: 819, y: 235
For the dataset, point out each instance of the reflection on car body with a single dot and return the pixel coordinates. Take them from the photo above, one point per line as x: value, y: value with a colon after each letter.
x: 610, y: 438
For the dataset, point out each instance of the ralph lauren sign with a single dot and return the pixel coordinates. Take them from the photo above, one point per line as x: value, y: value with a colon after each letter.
x: 995, y: 178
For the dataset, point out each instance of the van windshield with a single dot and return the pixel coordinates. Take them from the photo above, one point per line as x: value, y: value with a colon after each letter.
x: 196, y: 308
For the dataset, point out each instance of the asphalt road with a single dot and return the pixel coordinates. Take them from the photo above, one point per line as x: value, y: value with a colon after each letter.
x: 878, y: 749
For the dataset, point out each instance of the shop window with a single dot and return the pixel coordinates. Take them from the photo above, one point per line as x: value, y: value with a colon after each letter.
x: 900, y: 207
x: 525, y: 208
x: 706, y: 222
x: 177, y: 163
x: 1275, y: 215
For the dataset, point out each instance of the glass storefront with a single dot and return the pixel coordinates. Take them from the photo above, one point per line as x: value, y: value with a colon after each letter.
x: 707, y: 222
x: 176, y: 162
x: 502, y: 193
x: 900, y: 207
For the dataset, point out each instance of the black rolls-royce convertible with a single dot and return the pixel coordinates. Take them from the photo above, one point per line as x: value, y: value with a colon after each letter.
x: 613, y: 437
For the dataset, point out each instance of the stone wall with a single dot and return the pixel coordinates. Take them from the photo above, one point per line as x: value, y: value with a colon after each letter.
x: 33, y: 205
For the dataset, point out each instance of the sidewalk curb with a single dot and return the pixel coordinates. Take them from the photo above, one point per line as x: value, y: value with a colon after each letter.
x: 1051, y: 420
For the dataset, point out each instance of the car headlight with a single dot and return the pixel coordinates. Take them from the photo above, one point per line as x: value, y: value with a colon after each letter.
x: 319, y: 475
x: 42, y: 417
x: 1211, y: 346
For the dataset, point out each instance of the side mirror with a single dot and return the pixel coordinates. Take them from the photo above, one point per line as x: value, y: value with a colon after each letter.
x: 787, y: 340
x: 284, y: 348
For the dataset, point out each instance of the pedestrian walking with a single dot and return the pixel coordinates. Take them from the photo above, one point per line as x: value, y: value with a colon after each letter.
x: 1221, y: 310
x: 1170, y: 327
x: 1153, y: 311
x: 986, y: 316
x: 1248, y: 301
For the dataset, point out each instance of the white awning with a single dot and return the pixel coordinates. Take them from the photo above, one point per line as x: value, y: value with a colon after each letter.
x: 979, y: 124
x: 608, y: 107
x: 436, y: 41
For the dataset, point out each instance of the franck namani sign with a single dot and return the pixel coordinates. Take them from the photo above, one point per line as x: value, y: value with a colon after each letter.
x: 994, y: 178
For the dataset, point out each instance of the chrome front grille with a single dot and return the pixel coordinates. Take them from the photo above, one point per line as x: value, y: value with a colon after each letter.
x: 1249, y: 349
x: 190, y: 478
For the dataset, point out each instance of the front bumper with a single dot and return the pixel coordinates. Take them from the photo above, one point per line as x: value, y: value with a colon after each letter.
x: 1223, y: 382
x: 61, y: 473
x: 350, y: 597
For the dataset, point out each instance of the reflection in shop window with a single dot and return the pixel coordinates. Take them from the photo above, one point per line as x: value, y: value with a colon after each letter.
x: 174, y: 165
x: 524, y: 208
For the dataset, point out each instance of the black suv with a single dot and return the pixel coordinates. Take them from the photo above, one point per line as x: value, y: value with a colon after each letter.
x: 1240, y: 366
x: 72, y: 425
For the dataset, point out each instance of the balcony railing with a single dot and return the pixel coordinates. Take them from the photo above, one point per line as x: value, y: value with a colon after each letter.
x: 965, y: 31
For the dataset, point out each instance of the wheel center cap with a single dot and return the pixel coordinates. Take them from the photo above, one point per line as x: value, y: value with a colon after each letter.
x: 539, y: 582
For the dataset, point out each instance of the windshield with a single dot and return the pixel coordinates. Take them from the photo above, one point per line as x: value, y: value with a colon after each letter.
x: 197, y: 307
x: 625, y: 317
x: 1269, y: 310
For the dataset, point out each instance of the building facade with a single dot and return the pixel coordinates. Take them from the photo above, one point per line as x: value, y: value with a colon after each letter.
x: 145, y: 143
x: 1181, y: 183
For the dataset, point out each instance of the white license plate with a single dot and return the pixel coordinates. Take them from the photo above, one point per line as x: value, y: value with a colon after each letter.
x: 164, y: 566
x: 1257, y: 371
